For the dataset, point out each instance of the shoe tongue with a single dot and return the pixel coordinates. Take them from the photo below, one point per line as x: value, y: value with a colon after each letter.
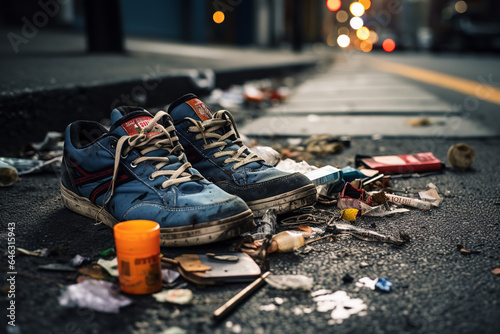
x: 129, y: 121
x: 189, y: 106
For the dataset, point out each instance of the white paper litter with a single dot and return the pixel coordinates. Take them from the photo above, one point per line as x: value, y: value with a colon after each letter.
x: 341, y: 304
x: 290, y: 282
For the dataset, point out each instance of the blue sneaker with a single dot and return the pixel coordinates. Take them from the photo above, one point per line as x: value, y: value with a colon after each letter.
x: 214, y: 148
x: 138, y: 170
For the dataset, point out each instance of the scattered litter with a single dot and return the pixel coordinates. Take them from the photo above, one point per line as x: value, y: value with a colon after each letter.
x: 325, y: 176
x: 289, y: 165
x: 347, y: 279
x: 286, y: 241
x: 111, y: 266
x: 465, y: 251
x: 349, y: 214
x: 230, y: 258
x: 43, y: 252
x: 268, y: 308
x: 496, y: 271
x: 341, y: 304
x: 320, y: 292
x: 94, y: 271
x: 266, y: 225
x: 29, y: 166
x: 107, y: 252
x: 8, y: 174
x: 412, y: 202
x: 270, y: 155
x: 367, y: 235
x: 366, y: 282
x: 364, y: 265
x: 381, y: 284
x: 96, y: 295
x: 425, y: 121
x: 461, y: 156
x: 56, y: 267
x: 174, y: 296
x: 431, y: 195
x: 290, y: 282
x: 278, y: 301
x: 400, y: 164
x: 78, y: 260
x: 174, y: 330
x: 169, y: 276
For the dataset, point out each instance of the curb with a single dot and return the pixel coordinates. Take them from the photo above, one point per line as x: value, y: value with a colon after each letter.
x: 31, y: 114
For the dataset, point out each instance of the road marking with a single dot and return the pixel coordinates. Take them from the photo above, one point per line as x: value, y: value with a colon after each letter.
x: 473, y: 88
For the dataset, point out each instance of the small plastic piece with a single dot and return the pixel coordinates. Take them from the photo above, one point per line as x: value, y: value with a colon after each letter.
x: 461, y: 156
x: 78, y: 260
x: 265, y: 225
x: 270, y: 155
x: 174, y: 296
x: 383, y: 284
x: 349, y: 214
x: 111, y: 266
x: 169, y: 276
x: 96, y: 295
x: 286, y: 241
x: 289, y: 165
x: 290, y: 282
x: 341, y: 304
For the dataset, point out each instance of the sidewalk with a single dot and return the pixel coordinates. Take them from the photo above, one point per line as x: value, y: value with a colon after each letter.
x: 52, y: 81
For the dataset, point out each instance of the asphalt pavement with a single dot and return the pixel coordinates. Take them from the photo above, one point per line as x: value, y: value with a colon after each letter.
x: 436, y: 288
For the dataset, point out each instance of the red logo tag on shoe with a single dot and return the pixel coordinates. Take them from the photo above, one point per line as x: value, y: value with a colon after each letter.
x: 200, y: 109
x: 135, y: 126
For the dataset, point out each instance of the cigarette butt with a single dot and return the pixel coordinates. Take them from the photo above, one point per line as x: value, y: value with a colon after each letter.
x: 415, y: 203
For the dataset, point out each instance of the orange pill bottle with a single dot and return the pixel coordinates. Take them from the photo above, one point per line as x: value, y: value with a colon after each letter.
x: 138, y: 251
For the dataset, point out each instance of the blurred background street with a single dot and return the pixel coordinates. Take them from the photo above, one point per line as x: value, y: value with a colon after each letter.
x: 387, y: 76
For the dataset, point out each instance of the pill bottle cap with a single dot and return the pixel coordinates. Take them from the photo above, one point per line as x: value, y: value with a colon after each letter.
x: 139, y: 237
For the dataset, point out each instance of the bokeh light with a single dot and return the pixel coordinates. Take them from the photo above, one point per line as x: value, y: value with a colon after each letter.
x: 333, y: 5
x: 330, y: 40
x: 373, y: 38
x: 357, y: 9
x: 366, y: 3
x: 343, y: 31
x: 363, y: 33
x: 343, y: 41
x: 356, y: 23
x: 342, y: 16
x: 388, y: 45
x: 461, y: 6
x: 366, y: 46
x: 218, y: 17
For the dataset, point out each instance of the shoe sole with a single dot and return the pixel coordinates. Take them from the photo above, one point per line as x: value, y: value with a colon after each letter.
x: 199, y: 234
x: 285, y: 202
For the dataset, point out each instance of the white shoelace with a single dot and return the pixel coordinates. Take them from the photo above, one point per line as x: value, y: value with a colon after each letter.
x: 207, y: 130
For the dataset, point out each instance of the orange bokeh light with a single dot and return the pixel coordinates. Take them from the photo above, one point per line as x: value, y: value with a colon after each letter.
x: 388, y: 45
x: 218, y: 17
x: 333, y: 5
x: 366, y: 46
x: 366, y: 3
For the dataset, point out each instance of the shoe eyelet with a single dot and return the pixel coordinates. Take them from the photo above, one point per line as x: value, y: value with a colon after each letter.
x: 151, y: 178
x: 133, y: 165
x: 113, y: 144
x: 124, y: 156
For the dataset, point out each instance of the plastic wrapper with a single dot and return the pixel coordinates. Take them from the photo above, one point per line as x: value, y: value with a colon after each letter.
x: 169, y: 276
x: 111, y: 266
x: 431, y: 195
x: 174, y: 296
x: 341, y: 304
x: 286, y: 241
x: 367, y: 235
x: 380, y: 284
x: 100, y: 296
x: 29, y: 166
x: 349, y: 214
x: 265, y: 225
x: 289, y: 165
x: 270, y: 155
x: 290, y: 282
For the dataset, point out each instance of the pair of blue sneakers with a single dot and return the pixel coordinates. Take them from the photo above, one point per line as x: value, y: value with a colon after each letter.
x: 186, y: 169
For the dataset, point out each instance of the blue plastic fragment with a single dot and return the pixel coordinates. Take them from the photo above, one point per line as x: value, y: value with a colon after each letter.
x: 383, y: 284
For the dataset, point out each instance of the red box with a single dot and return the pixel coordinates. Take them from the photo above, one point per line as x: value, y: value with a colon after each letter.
x: 403, y: 164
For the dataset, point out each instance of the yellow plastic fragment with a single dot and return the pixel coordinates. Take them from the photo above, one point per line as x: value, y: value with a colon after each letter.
x: 349, y: 214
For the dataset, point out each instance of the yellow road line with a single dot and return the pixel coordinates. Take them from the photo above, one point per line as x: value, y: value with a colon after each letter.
x: 479, y: 90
